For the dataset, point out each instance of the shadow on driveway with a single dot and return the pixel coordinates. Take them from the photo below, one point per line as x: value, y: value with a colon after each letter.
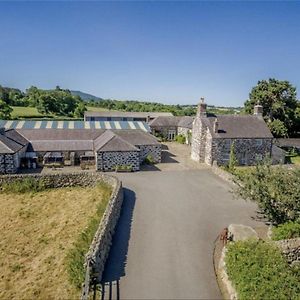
x: 116, y: 262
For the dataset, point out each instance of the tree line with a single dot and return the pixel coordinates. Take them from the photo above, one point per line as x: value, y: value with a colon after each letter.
x: 59, y: 102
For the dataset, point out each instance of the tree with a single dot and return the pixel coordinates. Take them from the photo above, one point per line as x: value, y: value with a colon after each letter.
x: 80, y: 109
x: 275, y: 190
x: 279, y: 101
x: 5, y: 110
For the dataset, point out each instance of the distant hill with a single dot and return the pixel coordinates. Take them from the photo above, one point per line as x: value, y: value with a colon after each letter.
x: 85, y: 96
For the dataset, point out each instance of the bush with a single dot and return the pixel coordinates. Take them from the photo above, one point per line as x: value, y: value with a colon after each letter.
x: 123, y: 168
x: 275, y: 190
x: 149, y: 160
x: 287, y: 230
x: 180, y: 139
x: 76, y: 256
x: 24, y: 185
x: 259, y: 271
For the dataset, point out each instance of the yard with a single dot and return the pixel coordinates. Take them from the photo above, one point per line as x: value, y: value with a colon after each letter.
x: 39, y: 230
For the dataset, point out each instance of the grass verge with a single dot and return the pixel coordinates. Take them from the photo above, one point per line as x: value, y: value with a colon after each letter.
x: 76, y: 255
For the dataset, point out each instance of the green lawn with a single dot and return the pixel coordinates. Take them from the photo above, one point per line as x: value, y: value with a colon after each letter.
x: 21, y: 112
x: 91, y: 108
x: 295, y: 160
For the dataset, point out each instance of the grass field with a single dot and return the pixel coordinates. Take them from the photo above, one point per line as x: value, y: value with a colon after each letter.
x: 38, y: 230
x: 20, y: 112
x: 295, y: 160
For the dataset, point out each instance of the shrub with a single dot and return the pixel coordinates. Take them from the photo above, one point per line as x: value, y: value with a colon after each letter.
x: 76, y: 256
x: 287, y: 230
x: 180, y: 139
x: 24, y: 185
x: 127, y: 168
x: 149, y: 160
x: 275, y: 190
x: 259, y: 271
x: 232, y: 159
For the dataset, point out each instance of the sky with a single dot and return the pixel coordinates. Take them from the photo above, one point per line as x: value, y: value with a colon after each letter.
x: 169, y: 52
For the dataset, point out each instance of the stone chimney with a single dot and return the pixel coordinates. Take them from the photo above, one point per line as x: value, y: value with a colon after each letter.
x: 216, y: 126
x: 2, y: 130
x: 201, y: 110
x: 258, y: 110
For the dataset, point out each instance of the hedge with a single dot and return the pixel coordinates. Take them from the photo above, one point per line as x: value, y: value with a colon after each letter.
x: 289, y: 230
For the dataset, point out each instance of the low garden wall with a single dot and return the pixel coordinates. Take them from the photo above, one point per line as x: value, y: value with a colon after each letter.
x: 99, y: 249
x: 290, y: 249
x: 222, y: 173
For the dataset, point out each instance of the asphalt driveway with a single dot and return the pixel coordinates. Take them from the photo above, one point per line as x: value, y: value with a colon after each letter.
x: 164, y: 242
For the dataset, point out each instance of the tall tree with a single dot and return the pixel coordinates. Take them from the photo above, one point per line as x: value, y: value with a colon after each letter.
x: 280, y: 104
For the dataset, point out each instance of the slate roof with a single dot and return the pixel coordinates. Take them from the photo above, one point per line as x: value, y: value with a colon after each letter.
x: 45, y: 140
x: 44, y: 124
x: 186, y: 122
x: 165, y: 121
x: 109, y: 141
x: 293, y: 142
x: 137, y: 137
x: 126, y: 114
x: 8, y: 146
x: 238, y: 126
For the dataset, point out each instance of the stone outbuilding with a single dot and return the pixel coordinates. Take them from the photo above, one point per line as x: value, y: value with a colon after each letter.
x: 213, y: 136
x: 12, y: 148
x: 104, y: 149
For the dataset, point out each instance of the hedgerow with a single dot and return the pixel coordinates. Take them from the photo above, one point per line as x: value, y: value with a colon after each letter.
x: 287, y: 230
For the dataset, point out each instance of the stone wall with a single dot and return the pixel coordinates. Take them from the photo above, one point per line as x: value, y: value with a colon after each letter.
x: 247, y: 151
x: 290, y: 249
x: 107, y: 161
x: 153, y: 150
x: 99, y: 249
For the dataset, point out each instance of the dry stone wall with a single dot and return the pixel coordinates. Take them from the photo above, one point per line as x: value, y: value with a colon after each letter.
x: 290, y: 249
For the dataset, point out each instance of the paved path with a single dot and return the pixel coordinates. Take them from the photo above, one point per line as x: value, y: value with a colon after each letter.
x: 164, y: 241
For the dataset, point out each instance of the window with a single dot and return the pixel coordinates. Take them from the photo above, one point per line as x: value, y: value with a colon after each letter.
x: 108, y: 118
x: 258, y: 142
x: 171, y: 134
x: 226, y: 156
x: 124, y: 119
x: 244, y: 158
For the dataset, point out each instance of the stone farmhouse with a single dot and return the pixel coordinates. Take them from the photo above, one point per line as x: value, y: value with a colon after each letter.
x: 212, y: 137
x: 169, y: 126
x: 102, y: 144
x: 123, y: 116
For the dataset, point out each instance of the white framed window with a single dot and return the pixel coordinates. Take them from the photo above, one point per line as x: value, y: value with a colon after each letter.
x: 258, y: 142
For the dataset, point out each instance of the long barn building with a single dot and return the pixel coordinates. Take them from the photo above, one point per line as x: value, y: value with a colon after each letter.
x: 106, y: 144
